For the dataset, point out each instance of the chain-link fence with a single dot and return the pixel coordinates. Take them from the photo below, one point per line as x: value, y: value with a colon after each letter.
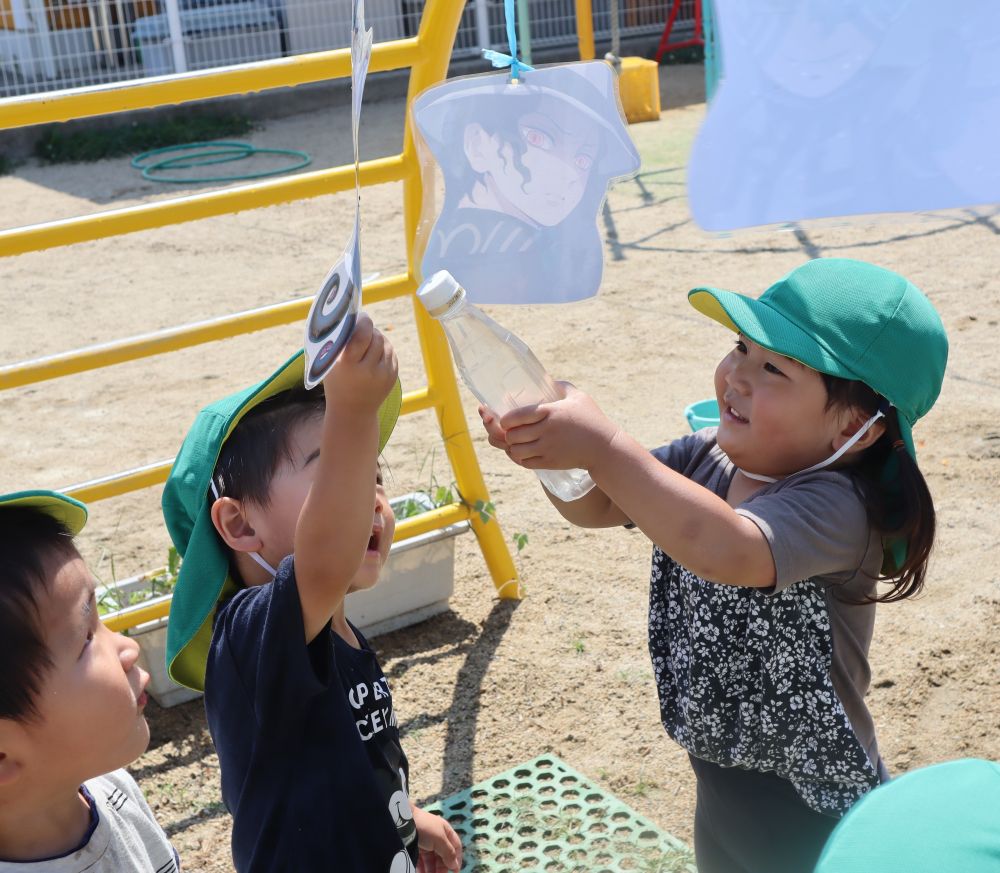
x: 51, y: 44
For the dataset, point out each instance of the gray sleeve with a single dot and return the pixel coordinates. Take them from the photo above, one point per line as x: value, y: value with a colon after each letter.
x: 815, y: 526
x: 679, y: 454
x: 137, y: 841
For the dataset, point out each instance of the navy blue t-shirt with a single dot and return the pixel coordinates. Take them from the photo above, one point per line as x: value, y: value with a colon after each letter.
x: 312, y: 769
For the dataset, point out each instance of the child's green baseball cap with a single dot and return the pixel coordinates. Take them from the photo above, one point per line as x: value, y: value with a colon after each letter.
x: 942, y: 817
x: 848, y: 319
x: 204, y: 575
x: 72, y: 513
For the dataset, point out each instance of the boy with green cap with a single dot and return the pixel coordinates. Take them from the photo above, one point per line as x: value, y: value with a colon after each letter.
x: 71, y: 708
x: 770, y: 535
x: 276, y: 504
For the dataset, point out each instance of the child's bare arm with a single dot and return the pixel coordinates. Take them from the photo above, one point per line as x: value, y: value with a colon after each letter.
x: 335, y: 524
x: 695, y: 527
x: 594, y: 509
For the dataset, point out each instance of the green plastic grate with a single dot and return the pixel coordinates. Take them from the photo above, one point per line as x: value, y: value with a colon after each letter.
x: 544, y: 816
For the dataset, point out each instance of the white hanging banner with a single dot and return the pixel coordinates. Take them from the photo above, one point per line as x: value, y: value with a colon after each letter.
x: 849, y: 108
x: 526, y: 168
x: 334, y: 312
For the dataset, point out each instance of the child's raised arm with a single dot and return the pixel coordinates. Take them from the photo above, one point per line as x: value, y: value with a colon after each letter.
x: 697, y: 528
x: 335, y: 524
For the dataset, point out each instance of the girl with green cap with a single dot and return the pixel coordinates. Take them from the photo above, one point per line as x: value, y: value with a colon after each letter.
x: 770, y: 536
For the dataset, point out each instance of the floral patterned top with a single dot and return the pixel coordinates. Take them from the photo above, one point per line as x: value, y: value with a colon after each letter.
x: 774, y: 679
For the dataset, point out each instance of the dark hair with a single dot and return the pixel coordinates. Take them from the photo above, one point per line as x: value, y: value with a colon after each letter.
x: 502, y: 121
x: 27, y: 538
x: 257, y: 445
x: 899, y: 504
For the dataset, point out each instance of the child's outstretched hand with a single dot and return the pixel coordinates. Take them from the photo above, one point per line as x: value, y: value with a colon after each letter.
x: 440, y: 847
x: 364, y: 372
x: 569, y: 433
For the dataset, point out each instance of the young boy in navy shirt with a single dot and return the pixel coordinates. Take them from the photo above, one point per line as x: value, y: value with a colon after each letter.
x: 277, y: 506
x: 71, y: 708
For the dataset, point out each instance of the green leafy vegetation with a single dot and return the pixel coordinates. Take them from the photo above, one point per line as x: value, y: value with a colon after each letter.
x: 121, y: 595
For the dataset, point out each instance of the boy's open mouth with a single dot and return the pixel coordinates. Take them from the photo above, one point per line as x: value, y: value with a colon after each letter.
x: 735, y: 415
x: 375, y: 540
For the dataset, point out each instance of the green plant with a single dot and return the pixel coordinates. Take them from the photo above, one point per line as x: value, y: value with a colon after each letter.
x: 116, y: 596
x: 436, y: 495
x: 443, y: 495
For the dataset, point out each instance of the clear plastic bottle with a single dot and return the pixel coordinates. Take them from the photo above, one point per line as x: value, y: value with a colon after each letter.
x: 497, y: 367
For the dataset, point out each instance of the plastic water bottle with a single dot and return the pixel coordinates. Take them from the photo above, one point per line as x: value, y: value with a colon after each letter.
x: 498, y: 368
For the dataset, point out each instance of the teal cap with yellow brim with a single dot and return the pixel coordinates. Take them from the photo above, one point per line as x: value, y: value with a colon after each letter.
x: 204, y: 579
x: 848, y: 319
x: 71, y: 513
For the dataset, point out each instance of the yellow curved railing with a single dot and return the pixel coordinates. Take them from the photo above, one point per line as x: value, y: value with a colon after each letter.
x: 427, y: 56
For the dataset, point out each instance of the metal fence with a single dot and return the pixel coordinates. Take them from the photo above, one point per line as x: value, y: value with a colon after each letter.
x: 52, y: 44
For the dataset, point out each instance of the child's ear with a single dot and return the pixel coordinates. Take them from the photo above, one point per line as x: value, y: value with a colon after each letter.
x: 232, y: 525
x: 477, y: 143
x: 10, y: 769
x: 854, y: 423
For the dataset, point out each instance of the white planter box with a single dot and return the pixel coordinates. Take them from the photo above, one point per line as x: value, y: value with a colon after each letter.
x: 152, y: 639
x: 416, y: 582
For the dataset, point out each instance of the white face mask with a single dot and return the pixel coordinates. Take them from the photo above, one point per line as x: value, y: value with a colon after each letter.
x: 254, y: 555
x: 835, y: 456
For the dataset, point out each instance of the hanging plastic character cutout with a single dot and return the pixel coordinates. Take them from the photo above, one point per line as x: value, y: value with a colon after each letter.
x: 526, y: 168
x: 334, y: 310
x: 849, y: 108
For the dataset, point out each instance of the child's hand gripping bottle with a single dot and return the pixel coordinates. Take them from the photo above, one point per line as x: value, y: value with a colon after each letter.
x: 498, y: 368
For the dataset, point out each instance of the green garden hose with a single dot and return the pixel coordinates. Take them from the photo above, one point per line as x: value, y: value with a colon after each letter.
x: 215, y: 152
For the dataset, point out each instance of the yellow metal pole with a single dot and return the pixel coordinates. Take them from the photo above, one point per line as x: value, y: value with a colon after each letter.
x: 585, y: 29
x: 73, y: 103
x: 174, y: 338
x: 115, y: 222
x: 139, y: 615
x: 128, y: 481
x: 437, y: 33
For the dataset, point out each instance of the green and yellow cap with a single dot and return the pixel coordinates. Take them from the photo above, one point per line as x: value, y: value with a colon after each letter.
x: 71, y: 513
x: 204, y: 575
x: 848, y: 319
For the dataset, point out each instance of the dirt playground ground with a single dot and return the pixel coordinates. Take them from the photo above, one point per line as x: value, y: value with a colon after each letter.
x: 565, y: 671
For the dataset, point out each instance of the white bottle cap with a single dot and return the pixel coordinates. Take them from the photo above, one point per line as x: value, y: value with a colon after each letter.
x: 440, y: 293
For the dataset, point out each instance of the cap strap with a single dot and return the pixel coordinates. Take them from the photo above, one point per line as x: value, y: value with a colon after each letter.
x: 835, y: 456
x: 256, y: 557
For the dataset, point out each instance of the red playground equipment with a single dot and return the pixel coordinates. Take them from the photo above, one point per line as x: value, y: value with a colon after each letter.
x: 697, y: 36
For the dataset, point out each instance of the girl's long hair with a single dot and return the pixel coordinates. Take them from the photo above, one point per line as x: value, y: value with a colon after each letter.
x: 899, y: 505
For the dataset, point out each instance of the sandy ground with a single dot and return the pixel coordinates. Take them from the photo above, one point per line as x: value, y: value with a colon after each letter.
x: 489, y: 683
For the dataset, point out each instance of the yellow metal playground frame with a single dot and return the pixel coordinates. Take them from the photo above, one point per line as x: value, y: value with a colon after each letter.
x: 427, y: 56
